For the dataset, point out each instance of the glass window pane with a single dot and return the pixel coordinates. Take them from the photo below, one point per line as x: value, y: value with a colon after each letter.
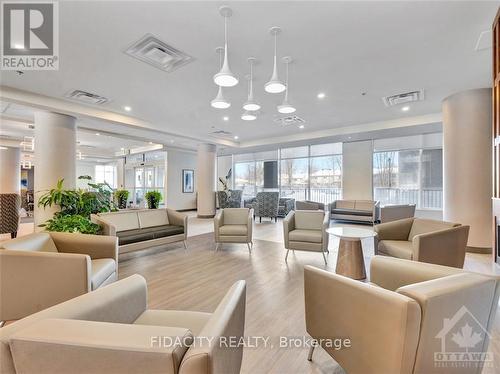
x: 139, y: 177
x: 244, y: 178
x: 294, y: 178
x: 326, y: 179
x: 294, y: 152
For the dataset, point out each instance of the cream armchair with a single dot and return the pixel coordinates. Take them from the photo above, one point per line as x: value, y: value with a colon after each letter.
x: 397, y: 323
x: 234, y: 225
x: 305, y: 230
x: 43, y: 269
x: 111, y: 330
x: 425, y: 240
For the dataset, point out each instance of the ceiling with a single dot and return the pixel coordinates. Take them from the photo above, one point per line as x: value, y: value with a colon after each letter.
x: 342, y: 49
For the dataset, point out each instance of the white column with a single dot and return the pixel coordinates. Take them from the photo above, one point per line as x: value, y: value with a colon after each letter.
x: 205, y: 180
x: 357, y: 170
x: 120, y: 173
x: 467, y: 163
x: 10, y: 170
x: 55, y: 156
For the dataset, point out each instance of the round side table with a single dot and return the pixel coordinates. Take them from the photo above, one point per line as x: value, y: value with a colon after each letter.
x: 350, y: 260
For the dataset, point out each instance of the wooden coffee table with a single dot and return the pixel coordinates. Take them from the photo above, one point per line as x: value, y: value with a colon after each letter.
x: 350, y: 260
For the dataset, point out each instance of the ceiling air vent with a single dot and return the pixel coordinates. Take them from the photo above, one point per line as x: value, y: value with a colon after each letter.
x: 221, y: 134
x: 403, y: 98
x: 289, y: 121
x: 157, y: 53
x: 87, y: 97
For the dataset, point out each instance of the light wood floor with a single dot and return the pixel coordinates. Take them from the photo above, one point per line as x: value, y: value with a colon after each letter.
x: 198, y: 278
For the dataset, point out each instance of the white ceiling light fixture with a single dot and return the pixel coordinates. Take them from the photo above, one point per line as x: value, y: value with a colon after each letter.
x: 251, y: 104
x: 220, y: 102
x: 286, y: 107
x: 127, y: 108
x: 225, y: 77
x: 248, y: 116
x: 405, y: 108
x: 321, y: 95
x: 275, y: 85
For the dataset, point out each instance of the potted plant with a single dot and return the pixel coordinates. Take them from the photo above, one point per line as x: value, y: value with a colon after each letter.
x: 121, y: 197
x: 153, y: 198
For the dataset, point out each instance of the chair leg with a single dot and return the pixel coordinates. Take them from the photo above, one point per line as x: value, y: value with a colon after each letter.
x: 185, y: 244
x: 13, y: 235
x: 216, y: 247
x: 324, y: 257
x: 2, y: 323
x: 260, y: 219
x: 310, y: 354
x: 286, y: 256
x: 249, y: 247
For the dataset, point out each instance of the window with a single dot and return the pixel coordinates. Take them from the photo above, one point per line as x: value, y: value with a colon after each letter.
x: 305, y: 173
x: 410, y: 176
x: 106, y: 174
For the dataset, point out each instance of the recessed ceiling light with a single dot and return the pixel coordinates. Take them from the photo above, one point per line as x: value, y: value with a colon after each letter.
x: 122, y: 149
x: 127, y: 108
x: 301, y: 126
x: 321, y: 95
x: 97, y: 134
x: 226, y: 118
x: 405, y: 108
x: 236, y: 137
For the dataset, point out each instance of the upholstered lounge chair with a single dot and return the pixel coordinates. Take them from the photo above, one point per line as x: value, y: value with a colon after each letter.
x: 43, y: 269
x: 425, y: 240
x: 234, y: 225
x: 397, y: 323
x: 111, y: 330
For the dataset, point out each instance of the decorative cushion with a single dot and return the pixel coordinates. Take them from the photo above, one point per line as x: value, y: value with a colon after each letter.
x: 309, y: 219
x: 233, y: 230
x: 40, y: 241
x: 423, y: 226
x: 396, y: 248
x: 310, y: 236
x: 153, y: 217
x: 102, y: 268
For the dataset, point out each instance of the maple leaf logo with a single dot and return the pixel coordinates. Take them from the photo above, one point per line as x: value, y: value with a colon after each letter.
x: 466, y: 338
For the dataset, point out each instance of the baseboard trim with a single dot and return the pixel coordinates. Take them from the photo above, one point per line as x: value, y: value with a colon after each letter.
x: 480, y: 250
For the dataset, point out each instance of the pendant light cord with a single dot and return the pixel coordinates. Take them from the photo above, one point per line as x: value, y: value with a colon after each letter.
x: 286, y: 93
x: 250, y: 86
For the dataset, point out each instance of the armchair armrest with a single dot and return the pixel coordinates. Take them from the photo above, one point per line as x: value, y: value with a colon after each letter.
x: 288, y: 225
x: 178, y: 219
x: 250, y: 225
x: 218, y: 222
x: 395, y: 230
x: 391, y: 273
x: 64, y: 345
x: 336, y: 307
x: 443, y: 247
x: 96, y: 246
x: 326, y: 236
x: 107, y: 227
x: 45, y: 278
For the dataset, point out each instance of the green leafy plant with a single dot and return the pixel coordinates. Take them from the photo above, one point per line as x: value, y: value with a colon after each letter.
x: 121, y: 197
x: 71, y: 223
x: 77, y: 203
x: 153, y: 198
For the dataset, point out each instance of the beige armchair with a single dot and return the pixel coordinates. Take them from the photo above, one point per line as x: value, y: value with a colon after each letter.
x: 305, y: 230
x: 111, y: 330
x: 234, y: 225
x: 424, y: 240
x: 403, y: 321
x: 43, y: 269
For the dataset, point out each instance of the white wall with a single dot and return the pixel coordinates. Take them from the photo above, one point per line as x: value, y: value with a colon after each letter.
x: 84, y: 168
x: 10, y: 170
x: 176, y: 161
x: 357, y: 170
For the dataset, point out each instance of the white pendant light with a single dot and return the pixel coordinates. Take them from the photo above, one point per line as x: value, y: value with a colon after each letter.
x: 251, y: 104
x: 220, y: 101
x: 225, y: 76
x: 248, y: 116
x: 275, y: 85
x: 286, y: 107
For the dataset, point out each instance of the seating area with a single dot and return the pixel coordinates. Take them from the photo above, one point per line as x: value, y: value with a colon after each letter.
x: 282, y: 187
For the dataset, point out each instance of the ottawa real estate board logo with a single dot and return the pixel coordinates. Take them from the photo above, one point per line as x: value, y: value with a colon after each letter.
x: 30, y: 35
